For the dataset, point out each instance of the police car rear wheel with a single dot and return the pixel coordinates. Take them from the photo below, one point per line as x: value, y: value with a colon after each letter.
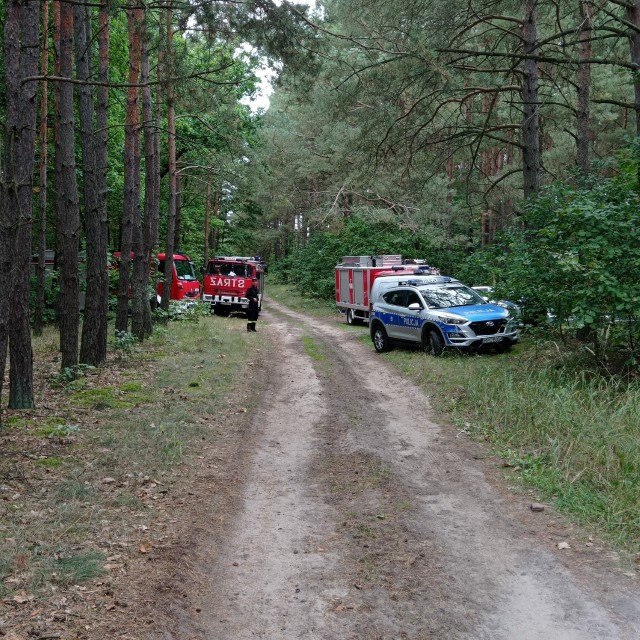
x: 380, y: 339
x: 504, y: 347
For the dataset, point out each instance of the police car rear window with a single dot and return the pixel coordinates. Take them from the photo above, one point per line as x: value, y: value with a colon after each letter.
x: 394, y: 297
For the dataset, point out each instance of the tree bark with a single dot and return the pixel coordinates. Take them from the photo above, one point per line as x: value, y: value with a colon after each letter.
x: 207, y: 219
x: 171, y: 152
x: 21, y: 53
x: 141, y: 325
x: 68, y: 226
x: 216, y: 215
x: 178, y: 225
x: 584, y: 88
x: 131, y: 209
x: 38, y: 314
x: 531, y: 113
x: 99, y: 344
x: 633, y: 16
x: 93, y: 348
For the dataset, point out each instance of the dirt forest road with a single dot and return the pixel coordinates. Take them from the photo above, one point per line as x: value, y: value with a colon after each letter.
x: 356, y: 516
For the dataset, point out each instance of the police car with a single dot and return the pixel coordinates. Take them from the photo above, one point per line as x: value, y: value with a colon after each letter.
x: 442, y: 313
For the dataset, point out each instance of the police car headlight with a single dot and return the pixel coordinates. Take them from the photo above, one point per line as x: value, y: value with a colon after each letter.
x: 450, y: 320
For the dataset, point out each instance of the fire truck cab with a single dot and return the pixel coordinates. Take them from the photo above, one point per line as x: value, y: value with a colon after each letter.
x: 184, y: 283
x: 227, y: 280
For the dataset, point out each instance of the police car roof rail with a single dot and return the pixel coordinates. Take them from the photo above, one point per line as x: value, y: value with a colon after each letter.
x: 425, y: 279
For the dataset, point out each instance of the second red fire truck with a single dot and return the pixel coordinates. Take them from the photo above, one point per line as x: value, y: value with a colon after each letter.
x: 227, y: 280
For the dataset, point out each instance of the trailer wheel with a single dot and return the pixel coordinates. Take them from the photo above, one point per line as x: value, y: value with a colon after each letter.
x: 380, y: 339
x: 432, y: 343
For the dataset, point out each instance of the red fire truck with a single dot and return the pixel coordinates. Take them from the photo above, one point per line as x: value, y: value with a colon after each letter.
x: 355, y: 276
x: 227, y: 280
x: 184, y: 284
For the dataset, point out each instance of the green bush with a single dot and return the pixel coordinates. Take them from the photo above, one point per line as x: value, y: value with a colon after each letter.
x: 310, y: 268
x: 574, y: 263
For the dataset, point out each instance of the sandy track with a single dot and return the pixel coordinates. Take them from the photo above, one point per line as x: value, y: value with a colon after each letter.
x: 357, y: 516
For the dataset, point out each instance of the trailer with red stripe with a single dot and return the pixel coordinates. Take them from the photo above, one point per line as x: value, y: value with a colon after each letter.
x: 355, y: 275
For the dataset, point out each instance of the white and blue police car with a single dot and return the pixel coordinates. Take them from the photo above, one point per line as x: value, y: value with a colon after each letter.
x: 443, y: 313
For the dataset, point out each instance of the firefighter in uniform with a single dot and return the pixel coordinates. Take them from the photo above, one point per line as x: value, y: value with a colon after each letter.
x: 253, y: 294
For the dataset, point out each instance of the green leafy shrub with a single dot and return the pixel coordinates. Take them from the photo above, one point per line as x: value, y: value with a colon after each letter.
x: 311, y: 268
x: 124, y: 343
x: 574, y: 265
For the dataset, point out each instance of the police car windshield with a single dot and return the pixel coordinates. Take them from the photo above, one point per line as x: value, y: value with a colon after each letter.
x: 451, y: 296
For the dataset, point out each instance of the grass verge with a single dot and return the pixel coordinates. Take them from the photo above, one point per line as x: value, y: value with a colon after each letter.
x: 572, y: 436
x: 98, y: 456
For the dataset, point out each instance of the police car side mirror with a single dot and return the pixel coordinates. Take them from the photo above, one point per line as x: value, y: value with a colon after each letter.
x: 415, y: 306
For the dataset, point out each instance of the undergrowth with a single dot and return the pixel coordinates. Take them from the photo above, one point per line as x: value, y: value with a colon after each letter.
x: 71, y: 482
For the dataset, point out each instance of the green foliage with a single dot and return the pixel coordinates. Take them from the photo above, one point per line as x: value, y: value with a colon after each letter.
x: 60, y: 431
x: 310, y: 268
x: 124, y: 342
x: 50, y: 462
x: 69, y: 374
x: 178, y: 311
x: 576, y: 258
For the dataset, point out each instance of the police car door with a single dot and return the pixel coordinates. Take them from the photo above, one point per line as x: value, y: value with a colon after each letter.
x: 393, y: 311
x: 412, y: 319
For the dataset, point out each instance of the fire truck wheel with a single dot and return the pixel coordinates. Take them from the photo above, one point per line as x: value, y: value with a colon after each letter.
x: 380, y: 339
x: 350, y: 317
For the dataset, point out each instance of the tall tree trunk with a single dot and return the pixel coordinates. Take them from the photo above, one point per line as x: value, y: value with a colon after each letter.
x: 633, y: 16
x: 68, y: 226
x: 171, y: 152
x: 38, y: 315
x: 141, y: 325
x: 584, y: 88
x: 131, y: 210
x: 531, y: 111
x: 216, y: 215
x: 178, y: 227
x: 207, y: 218
x: 21, y: 52
x: 97, y: 347
x: 155, y: 232
x: 92, y: 351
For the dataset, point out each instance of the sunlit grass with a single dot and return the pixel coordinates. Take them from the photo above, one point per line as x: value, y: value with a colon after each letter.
x: 571, y: 436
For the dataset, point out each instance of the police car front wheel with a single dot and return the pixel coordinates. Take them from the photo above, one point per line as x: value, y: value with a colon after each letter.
x: 433, y: 343
x: 380, y: 339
